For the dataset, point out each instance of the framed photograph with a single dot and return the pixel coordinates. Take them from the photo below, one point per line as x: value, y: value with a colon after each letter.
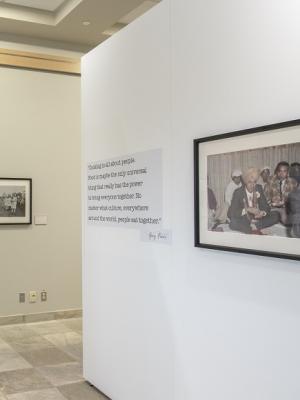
x: 247, y: 191
x: 15, y: 201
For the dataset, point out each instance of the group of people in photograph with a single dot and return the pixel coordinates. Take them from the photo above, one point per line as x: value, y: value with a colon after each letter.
x: 12, y: 204
x: 256, y: 199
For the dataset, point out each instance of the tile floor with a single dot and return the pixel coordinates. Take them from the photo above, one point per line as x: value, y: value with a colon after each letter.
x: 43, y: 361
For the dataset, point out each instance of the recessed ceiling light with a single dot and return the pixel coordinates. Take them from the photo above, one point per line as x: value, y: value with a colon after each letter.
x: 86, y: 23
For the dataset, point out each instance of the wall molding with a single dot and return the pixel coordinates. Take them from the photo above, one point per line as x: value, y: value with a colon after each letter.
x: 41, y: 62
x: 39, y: 317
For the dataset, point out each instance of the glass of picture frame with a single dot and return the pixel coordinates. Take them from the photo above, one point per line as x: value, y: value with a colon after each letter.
x: 15, y: 201
x: 247, y: 191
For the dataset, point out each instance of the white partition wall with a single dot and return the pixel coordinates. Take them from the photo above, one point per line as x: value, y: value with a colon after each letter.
x: 129, y: 344
x: 174, y: 322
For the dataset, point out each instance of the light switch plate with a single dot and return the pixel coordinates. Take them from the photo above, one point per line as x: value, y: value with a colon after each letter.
x: 41, y: 220
x: 32, y: 296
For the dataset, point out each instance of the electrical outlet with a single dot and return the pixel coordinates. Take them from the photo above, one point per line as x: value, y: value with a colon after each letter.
x: 32, y: 296
x: 21, y: 297
x: 44, y: 295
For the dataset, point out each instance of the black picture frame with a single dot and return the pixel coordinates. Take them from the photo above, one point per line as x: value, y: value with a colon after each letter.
x: 15, y: 201
x: 218, y: 139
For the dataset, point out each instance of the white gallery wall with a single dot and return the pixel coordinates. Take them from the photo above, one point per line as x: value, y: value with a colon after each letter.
x: 173, y: 321
x: 40, y: 139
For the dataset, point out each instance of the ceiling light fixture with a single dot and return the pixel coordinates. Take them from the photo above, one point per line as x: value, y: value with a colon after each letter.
x: 86, y: 23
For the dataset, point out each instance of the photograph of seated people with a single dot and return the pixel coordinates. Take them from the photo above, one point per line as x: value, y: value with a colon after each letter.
x: 12, y: 202
x: 261, y: 200
x: 249, y: 211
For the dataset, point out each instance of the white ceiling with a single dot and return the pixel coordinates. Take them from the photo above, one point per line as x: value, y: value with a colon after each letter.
x: 77, y: 25
x: 48, y: 5
x: 136, y: 12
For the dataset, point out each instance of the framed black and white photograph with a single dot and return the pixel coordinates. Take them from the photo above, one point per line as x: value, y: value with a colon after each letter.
x: 247, y: 191
x: 15, y: 201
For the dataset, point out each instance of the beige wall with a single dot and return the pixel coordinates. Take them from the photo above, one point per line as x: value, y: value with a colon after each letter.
x: 40, y: 139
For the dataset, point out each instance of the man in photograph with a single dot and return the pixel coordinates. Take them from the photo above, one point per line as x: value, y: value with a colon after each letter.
x: 212, y: 207
x: 266, y: 181
x: 293, y: 202
x: 235, y: 183
x: 249, y: 211
x: 280, y: 187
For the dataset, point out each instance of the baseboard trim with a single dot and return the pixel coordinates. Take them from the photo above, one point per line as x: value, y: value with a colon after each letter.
x: 39, y: 317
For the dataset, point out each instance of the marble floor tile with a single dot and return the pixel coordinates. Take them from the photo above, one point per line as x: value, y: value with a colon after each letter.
x: 11, y: 361
x: 47, y: 356
x: 75, y: 324
x: 64, y: 339
x: 54, y: 349
x: 10, y: 333
x: 5, y: 348
x: 23, y: 380
x: 49, y: 327
x: 30, y: 343
x: 62, y: 374
x: 81, y: 391
x: 47, y: 394
x: 74, y: 350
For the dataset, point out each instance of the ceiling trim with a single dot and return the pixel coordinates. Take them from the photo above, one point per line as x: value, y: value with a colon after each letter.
x: 45, y: 5
x: 65, y: 9
x: 41, y: 62
x: 34, y: 15
x: 17, y: 13
x: 40, y: 42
